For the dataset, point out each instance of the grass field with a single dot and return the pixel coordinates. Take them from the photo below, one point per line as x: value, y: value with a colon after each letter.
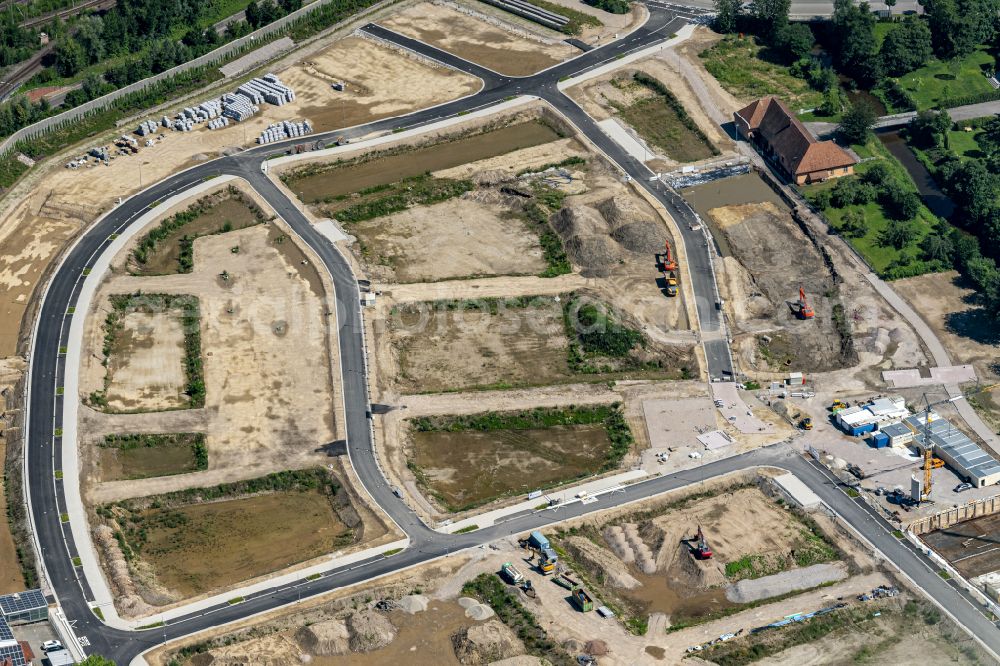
x: 941, y: 80
x: 965, y: 144
x: 662, y: 120
x: 136, y: 456
x: 469, y: 461
x: 194, y: 545
x: 887, y: 261
x: 739, y: 67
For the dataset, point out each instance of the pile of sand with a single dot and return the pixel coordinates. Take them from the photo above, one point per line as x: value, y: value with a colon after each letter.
x: 578, y: 221
x: 486, y: 643
x: 369, y: 630
x: 413, y: 603
x: 474, y: 609
x: 595, y: 255
x: 326, y: 638
x: 619, y: 210
x: 596, y: 648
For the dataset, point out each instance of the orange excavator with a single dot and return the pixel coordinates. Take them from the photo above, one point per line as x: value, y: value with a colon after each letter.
x: 667, y: 258
x: 701, y: 549
x: 803, y: 309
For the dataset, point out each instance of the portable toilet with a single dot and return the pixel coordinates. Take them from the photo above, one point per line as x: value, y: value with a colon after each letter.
x: 880, y: 440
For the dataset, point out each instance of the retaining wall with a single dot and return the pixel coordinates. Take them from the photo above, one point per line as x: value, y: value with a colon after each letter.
x: 948, y: 517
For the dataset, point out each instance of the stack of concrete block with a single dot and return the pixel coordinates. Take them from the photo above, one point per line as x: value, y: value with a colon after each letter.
x: 146, y: 127
x: 165, y: 122
x: 183, y: 124
x: 218, y: 123
x: 268, y: 89
x: 238, y: 107
x: 284, y: 130
x: 212, y: 108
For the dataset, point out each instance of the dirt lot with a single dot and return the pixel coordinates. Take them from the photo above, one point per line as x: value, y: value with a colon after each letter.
x: 11, y: 372
x: 618, y: 95
x: 970, y: 546
x: 480, y: 38
x: 180, y: 545
x: 146, y: 364
x: 265, y: 409
x: 465, y: 469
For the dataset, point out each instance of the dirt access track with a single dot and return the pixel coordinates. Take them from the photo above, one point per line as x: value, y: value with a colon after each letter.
x: 269, y: 353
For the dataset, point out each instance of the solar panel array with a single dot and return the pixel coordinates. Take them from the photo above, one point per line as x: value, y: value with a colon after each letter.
x: 5, y: 632
x: 11, y: 604
x: 12, y: 652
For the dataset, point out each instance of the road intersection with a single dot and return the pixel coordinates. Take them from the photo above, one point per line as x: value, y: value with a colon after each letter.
x: 48, y: 370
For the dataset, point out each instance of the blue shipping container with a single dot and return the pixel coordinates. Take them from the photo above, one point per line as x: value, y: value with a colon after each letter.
x: 880, y: 440
x: 862, y: 429
x: 538, y: 540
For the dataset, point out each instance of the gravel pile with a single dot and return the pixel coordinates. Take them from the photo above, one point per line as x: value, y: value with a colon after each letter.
x: 595, y: 255
x: 369, y: 631
x: 486, y: 643
x: 578, y: 221
x: 326, y: 638
x: 619, y: 211
x: 413, y: 603
x: 747, y: 591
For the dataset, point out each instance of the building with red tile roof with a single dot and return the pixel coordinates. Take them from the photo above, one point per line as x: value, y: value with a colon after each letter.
x: 785, y: 141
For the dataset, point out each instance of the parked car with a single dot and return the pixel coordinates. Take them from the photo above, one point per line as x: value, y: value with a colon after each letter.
x: 962, y: 487
x: 52, y: 646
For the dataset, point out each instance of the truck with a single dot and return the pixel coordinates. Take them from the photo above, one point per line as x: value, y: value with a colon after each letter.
x: 671, y: 280
x: 538, y: 541
x: 582, y: 600
x: 511, y: 574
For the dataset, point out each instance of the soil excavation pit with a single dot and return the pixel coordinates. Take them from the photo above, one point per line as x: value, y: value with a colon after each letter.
x: 970, y: 547
x: 474, y: 39
x: 469, y: 461
x: 194, y: 547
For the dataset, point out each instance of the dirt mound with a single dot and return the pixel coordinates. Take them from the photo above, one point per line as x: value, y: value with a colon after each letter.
x: 647, y: 236
x: 493, y: 177
x: 486, y: 643
x: 578, y: 221
x: 595, y: 255
x: 369, y: 631
x: 127, y: 596
x: 413, y: 603
x: 596, y: 648
x: 479, y: 612
x: 620, y: 210
x: 326, y: 638
x: 595, y: 559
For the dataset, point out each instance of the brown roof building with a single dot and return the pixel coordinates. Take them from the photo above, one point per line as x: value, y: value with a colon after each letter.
x: 783, y: 139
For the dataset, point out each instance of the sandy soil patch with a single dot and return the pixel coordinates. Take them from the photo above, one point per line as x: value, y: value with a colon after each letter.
x: 392, y: 82
x: 266, y: 409
x: 11, y: 372
x: 146, y: 369
x: 492, y: 44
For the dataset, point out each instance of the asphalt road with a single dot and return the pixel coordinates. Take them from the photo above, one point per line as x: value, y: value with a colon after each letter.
x: 47, y: 369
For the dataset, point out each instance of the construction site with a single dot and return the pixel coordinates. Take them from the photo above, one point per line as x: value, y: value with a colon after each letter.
x: 689, y: 574
x: 193, y: 319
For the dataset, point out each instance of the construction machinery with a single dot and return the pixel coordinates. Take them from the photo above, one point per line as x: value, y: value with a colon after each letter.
x: 806, y: 423
x: 671, y: 280
x: 838, y: 405
x: 801, y: 307
x: 667, y: 261
x: 511, y: 574
x: 701, y: 549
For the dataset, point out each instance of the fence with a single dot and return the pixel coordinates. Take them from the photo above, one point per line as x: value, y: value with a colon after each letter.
x: 958, y: 514
x: 235, y: 47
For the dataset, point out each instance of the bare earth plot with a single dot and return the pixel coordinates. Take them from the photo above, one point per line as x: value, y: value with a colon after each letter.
x: 390, y: 83
x: 265, y: 351
x: 502, y: 48
x: 146, y: 368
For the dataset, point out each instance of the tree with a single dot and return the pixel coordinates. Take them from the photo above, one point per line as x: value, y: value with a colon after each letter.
x: 857, y: 122
x: 89, y: 33
x: 929, y: 129
x: 907, y: 46
x: 795, y: 39
x: 958, y: 26
x: 727, y: 13
x: 97, y: 660
x: 900, y: 204
x: 896, y: 235
x: 853, y: 224
x: 857, y: 46
x: 972, y: 187
x: 937, y: 247
x: 832, y: 104
x: 769, y: 16
x: 69, y: 57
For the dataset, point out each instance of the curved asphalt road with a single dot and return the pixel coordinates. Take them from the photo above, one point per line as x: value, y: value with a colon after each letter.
x: 43, y: 450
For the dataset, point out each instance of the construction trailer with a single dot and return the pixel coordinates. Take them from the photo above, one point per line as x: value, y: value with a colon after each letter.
x: 538, y: 541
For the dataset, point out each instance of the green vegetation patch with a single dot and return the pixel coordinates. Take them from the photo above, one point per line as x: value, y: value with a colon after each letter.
x: 490, y: 590
x: 139, y: 456
x: 169, y: 247
x: 123, y: 304
x: 382, y: 200
x: 948, y: 83
x: 577, y: 19
x: 741, y: 66
x: 663, y: 121
x: 872, y: 211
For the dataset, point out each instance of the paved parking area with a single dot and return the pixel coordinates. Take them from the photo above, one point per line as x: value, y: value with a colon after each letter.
x: 36, y: 634
x: 946, y: 375
x: 736, y: 412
